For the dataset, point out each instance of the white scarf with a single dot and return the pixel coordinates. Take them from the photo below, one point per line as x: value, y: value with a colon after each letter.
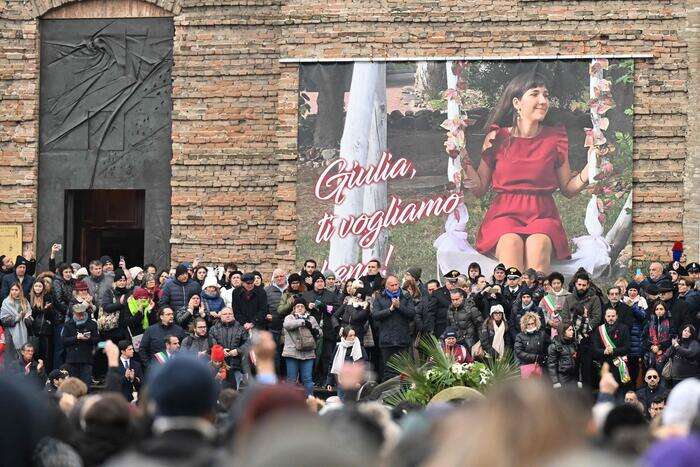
x: 498, y: 342
x: 341, y: 350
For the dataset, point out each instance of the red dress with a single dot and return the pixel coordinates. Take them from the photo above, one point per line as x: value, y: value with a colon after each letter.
x: 524, y: 176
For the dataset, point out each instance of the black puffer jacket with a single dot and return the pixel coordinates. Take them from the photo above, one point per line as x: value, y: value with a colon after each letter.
x: 562, y: 361
x: 466, y: 320
x: 394, y: 325
x: 426, y: 312
x: 176, y: 294
x: 231, y: 336
x: 531, y: 347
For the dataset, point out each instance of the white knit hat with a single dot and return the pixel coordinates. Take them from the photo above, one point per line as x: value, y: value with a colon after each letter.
x: 210, y: 281
x: 496, y: 309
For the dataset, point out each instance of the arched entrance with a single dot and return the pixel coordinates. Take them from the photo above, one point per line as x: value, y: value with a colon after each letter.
x: 105, y: 130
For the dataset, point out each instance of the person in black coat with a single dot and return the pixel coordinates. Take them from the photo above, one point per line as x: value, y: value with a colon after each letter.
x: 130, y: 370
x: 322, y: 305
x: 21, y: 275
x: 563, y: 358
x: 249, y: 303
x: 427, y: 310
x: 654, y: 386
x: 394, y: 313
x: 615, y: 351
x: 444, y: 302
x: 685, y: 355
x: 354, y: 311
x: 153, y: 340
x: 80, y: 336
x: 532, y: 342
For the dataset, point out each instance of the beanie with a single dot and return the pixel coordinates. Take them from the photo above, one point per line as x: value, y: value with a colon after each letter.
x: 181, y: 269
x: 183, y: 387
x: 415, y: 272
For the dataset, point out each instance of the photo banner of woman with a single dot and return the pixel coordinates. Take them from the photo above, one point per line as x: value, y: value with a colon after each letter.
x: 441, y: 164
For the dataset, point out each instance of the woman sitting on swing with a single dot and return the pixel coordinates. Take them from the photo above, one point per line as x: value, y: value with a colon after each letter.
x: 525, y: 161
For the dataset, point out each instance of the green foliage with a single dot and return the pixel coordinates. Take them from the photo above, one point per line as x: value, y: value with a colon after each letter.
x: 434, y: 371
x: 627, y: 68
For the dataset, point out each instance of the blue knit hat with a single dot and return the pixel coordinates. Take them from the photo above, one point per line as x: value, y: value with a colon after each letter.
x: 183, y: 387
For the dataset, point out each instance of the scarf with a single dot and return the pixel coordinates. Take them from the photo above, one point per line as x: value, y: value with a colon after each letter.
x: 618, y: 362
x: 392, y: 295
x: 526, y: 308
x: 499, y: 344
x: 80, y: 322
x: 136, y: 306
x: 341, y: 350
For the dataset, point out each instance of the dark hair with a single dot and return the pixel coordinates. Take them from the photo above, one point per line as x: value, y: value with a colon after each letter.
x: 503, y: 113
x: 162, y: 310
x: 563, y: 326
x: 150, y: 265
x: 692, y: 331
x: 313, y: 261
x: 379, y: 264
x: 62, y: 267
x: 347, y: 329
x: 688, y: 281
x: 556, y: 276
x: 619, y: 290
x: 123, y: 345
x: 433, y: 281
x: 658, y: 400
x: 457, y: 290
x: 230, y: 265
x: 170, y: 336
x: 657, y: 303
x: 582, y: 276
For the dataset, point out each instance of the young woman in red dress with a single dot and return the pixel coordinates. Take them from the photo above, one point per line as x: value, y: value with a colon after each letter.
x: 524, y: 161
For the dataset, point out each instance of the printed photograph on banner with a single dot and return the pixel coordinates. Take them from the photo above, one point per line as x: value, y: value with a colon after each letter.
x: 439, y: 165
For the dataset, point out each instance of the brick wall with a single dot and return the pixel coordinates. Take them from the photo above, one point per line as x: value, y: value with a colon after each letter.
x: 234, y: 117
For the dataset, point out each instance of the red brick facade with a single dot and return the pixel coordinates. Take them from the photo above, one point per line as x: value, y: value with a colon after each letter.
x: 234, y: 116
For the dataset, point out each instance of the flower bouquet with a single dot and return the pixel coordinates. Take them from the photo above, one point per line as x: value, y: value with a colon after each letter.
x: 425, y: 377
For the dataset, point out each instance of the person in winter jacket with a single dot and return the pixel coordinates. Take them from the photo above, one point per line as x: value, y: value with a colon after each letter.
x: 21, y: 276
x: 235, y: 340
x: 354, y: 312
x: 42, y: 304
x: 393, y: 312
x: 348, y: 350
x: 16, y: 316
x: 524, y: 304
x: 200, y: 341
x: 196, y: 308
x: 563, y: 358
x: 153, y: 340
x: 427, y: 309
x: 464, y: 318
x: 532, y: 342
x: 80, y: 336
x: 654, y: 386
x: 688, y: 313
x: 177, y: 292
x: 140, y: 307
x: 553, y: 302
x: 301, y: 332
x: 638, y: 328
x: 491, y: 295
x: 249, y: 303
x: 210, y: 296
x: 611, y: 345
x: 658, y: 336
x: 450, y: 346
x: 442, y: 297
x: 295, y: 287
x: 495, y: 338
x: 322, y: 305
x: 585, y: 296
x: 685, y: 356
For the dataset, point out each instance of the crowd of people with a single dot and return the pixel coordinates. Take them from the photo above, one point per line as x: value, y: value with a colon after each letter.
x: 134, y: 360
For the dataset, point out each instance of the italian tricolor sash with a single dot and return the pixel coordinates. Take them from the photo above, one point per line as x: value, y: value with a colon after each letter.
x: 550, y: 305
x: 619, y: 362
x: 161, y: 357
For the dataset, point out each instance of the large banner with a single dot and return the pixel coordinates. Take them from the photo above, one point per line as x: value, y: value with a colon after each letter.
x: 440, y: 164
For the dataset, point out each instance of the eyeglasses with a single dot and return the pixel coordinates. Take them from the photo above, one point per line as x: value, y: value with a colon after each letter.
x: 652, y: 377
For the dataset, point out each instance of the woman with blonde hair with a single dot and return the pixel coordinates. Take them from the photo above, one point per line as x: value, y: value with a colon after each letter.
x: 531, y: 345
x: 16, y: 316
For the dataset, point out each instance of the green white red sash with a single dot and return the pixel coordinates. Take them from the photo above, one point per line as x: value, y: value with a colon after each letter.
x: 550, y: 305
x: 162, y: 357
x: 619, y: 362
